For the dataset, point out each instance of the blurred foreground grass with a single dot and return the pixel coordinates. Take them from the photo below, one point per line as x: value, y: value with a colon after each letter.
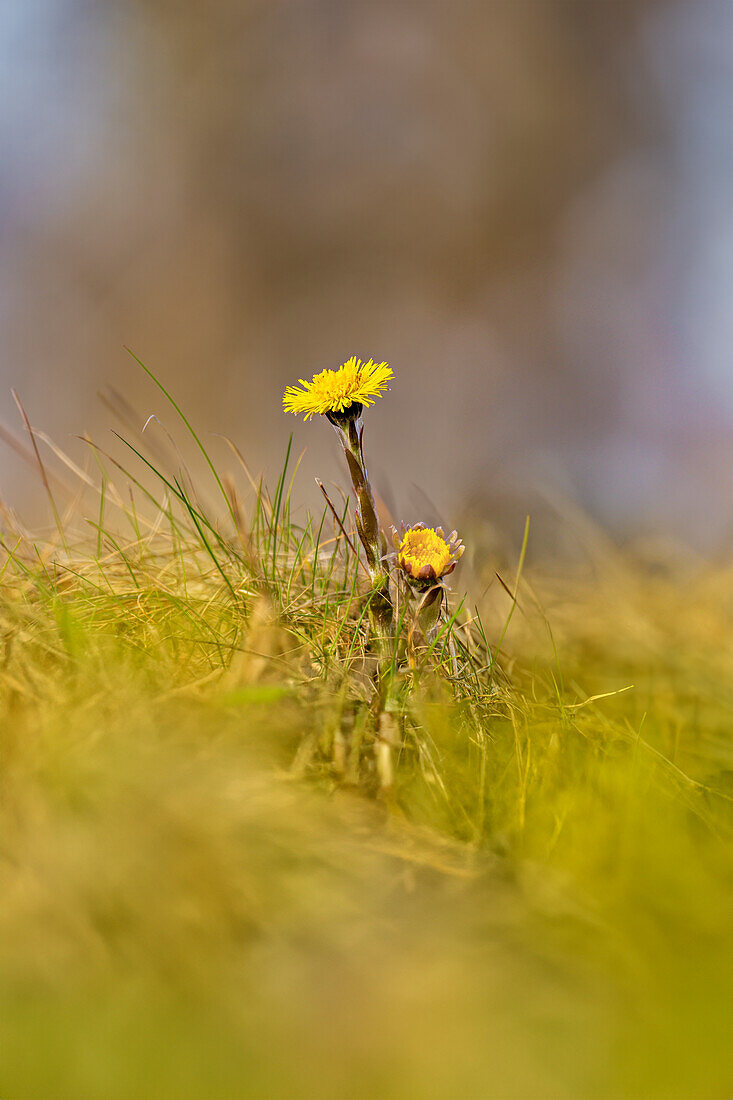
x: 202, y: 898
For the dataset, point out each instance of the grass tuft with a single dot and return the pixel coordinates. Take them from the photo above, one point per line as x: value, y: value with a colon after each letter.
x: 203, y: 897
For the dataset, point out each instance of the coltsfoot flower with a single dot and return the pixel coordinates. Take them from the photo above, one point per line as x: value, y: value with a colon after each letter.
x: 425, y: 555
x: 339, y: 392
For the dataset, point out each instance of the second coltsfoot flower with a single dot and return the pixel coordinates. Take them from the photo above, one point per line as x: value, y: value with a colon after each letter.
x: 424, y: 555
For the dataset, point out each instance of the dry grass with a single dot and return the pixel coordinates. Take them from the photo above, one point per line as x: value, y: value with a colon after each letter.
x: 203, y: 897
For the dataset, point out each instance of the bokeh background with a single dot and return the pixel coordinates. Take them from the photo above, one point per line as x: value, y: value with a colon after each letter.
x: 525, y: 207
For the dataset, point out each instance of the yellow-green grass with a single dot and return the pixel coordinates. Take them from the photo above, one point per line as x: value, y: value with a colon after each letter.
x: 203, y: 894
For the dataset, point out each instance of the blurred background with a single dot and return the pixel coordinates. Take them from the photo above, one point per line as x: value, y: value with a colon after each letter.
x: 525, y: 207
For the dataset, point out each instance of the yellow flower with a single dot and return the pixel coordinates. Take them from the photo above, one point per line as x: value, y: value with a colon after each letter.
x: 335, y: 391
x: 424, y: 554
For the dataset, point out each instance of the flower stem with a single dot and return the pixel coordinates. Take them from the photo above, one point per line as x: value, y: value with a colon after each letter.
x: 350, y: 430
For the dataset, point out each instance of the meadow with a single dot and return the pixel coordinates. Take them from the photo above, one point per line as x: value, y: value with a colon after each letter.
x: 207, y: 891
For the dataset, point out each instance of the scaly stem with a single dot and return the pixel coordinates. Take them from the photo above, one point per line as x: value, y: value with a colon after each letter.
x: 350, y: 430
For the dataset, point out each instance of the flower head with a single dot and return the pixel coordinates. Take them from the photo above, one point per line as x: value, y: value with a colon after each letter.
x: 424, y: 554
x: 338, y: 391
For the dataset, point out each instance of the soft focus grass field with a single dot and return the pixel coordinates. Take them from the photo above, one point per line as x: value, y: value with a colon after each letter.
x: 201, y: 894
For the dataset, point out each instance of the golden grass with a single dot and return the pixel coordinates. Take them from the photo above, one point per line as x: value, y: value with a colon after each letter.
x: 201, y: 895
